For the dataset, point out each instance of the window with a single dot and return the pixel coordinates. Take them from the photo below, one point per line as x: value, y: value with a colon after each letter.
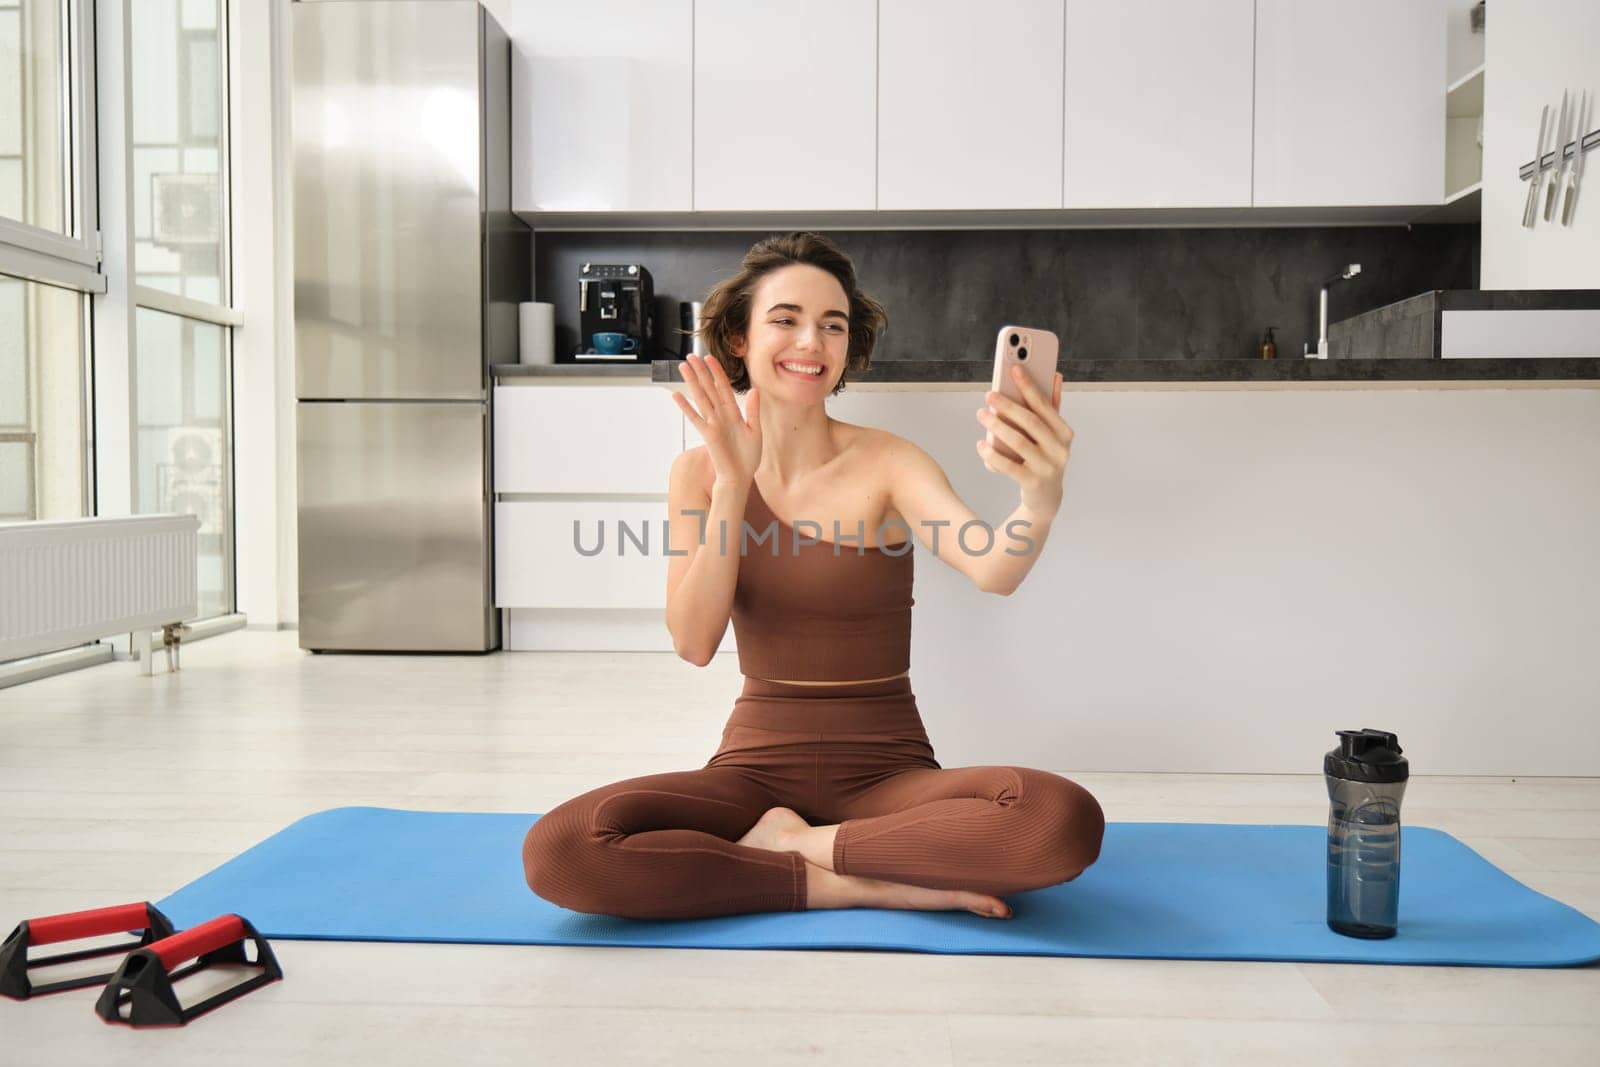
x: 47, y: 213
x: 169, y: 254
x: 43, y: 456
x: 181, y: 434
x: 183, y: 343
x: 34, y: 166
x: 178, y: 118
x: 47, y: 262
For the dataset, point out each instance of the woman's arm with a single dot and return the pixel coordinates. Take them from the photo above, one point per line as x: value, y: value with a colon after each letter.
x: 922, y: 494
x: 700, y: 582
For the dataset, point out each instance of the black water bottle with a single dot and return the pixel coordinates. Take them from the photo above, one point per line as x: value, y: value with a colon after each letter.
x: 1366, y: 777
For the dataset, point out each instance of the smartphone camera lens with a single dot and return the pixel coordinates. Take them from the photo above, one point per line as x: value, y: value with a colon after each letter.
x: 1015, y: 340
x: 1022, y: 353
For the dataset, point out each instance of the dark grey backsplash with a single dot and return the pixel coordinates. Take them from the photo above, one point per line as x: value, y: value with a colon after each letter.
x: 1109, y: 294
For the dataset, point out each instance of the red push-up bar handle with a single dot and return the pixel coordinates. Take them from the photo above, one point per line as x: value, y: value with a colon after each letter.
x: 114, y: 920
x: 198, y: 940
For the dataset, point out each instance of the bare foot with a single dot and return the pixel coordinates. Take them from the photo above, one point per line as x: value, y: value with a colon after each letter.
x: 854, y: 891
x: 775, y: 830
x: 828, y: 889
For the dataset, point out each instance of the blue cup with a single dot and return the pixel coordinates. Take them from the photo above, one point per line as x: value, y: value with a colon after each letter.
x: 614, y: 344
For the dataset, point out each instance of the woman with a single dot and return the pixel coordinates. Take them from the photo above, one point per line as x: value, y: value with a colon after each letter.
x: 824, y: 792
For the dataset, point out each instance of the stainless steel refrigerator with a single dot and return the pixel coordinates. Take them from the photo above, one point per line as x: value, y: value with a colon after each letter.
x: 408, y: 266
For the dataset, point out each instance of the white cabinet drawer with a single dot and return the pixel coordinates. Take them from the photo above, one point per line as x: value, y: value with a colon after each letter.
x: 584, y: 439
x: 538, y: 564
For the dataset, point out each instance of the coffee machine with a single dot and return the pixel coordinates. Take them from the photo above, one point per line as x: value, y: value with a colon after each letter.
x: 616, y: 298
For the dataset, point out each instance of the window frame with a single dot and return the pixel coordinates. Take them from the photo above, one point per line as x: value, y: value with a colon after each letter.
x: 144, y: 296
x: 36, y: 254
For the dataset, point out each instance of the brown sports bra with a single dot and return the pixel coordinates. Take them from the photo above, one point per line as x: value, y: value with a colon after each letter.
x: 818, y: 612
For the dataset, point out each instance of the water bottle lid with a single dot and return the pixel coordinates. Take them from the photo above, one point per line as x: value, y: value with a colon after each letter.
x: 1367, y: 756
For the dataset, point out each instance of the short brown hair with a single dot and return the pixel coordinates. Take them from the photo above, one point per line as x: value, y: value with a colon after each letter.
x: 725, y: 314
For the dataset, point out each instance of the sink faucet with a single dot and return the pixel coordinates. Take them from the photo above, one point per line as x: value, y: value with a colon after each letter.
x: 1322, y: 311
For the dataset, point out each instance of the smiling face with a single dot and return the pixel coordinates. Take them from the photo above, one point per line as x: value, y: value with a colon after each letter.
x: 799, y: 336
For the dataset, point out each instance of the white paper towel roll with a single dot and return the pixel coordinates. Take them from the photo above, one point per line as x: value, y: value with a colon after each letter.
x: 537, y: 329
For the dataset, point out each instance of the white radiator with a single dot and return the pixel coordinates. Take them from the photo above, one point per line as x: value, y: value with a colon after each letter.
x: 64, y: 583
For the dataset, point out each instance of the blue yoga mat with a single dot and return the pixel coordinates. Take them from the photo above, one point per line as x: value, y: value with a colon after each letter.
x: 1158, y: 891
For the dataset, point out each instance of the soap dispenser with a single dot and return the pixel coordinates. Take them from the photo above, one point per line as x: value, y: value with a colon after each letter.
x: 1269, y: 347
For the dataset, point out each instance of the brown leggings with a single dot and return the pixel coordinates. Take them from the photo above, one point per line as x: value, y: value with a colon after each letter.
x: 662, y: 846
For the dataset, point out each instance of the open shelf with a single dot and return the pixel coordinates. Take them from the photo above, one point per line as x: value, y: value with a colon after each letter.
x: 1464, y: 98
x: 1463, y: 205
x: 1463, y: 158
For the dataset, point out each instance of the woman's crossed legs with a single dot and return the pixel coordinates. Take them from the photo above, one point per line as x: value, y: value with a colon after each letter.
x: 907, y: 835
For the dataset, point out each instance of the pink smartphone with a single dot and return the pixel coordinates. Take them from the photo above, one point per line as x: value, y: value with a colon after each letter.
x: 1034, y: 350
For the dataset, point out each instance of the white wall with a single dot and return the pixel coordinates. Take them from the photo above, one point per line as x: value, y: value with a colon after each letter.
x: 1237, y: 574
x: 264, y: 488
x: 1534, y: 49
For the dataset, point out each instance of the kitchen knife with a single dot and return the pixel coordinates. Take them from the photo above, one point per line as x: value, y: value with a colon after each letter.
x: 1530, y: 209
x: 1570, y: 198
x: 1552, y: 190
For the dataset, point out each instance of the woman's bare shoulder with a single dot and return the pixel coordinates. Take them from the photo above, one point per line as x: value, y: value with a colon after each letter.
x: 885, y: 459
x: 696, y: 467
x: 885, y: 450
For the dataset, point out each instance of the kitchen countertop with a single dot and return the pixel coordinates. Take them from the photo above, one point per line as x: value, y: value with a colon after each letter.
x: 559, y: 371
x: 1284, y: 372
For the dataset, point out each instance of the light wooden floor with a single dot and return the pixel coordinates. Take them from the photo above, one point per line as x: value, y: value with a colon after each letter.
x: 117, y: 788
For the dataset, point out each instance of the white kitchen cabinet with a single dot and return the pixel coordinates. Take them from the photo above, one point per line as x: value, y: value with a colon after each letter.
x: 583, y: 554
x: 602, y: 97
x: 1158, y: 102
x: 785, y: 106
x: 584, y: 438
x: 599, y: 455
x: 1350, y: 103
x: 969, y: 104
